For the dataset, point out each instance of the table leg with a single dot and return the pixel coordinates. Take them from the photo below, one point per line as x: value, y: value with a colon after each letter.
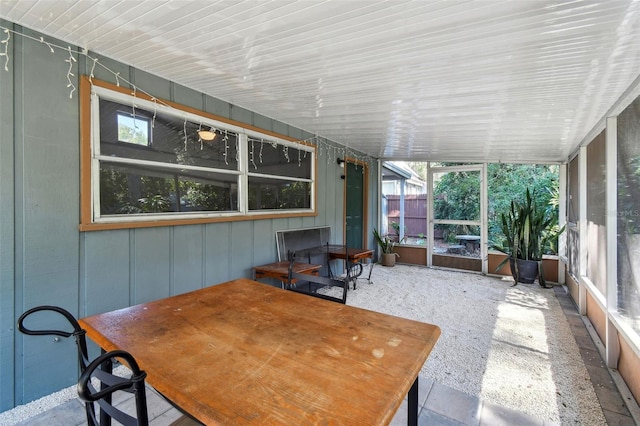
x: 412, y: 404
x: 370, y: 269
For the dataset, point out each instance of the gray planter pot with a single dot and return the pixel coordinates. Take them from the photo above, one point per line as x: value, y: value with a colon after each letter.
x: 527, y: 270
x: 388, y: 259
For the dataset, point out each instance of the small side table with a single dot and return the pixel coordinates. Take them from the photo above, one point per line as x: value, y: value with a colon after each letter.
x: 354, y: 256
x: 280, y: 270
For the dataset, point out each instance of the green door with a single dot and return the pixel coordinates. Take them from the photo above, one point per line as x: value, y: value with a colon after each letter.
x: 355, y: 205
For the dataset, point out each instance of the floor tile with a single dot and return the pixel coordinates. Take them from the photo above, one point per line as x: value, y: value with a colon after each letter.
x: 617, y: 419
x: 611, y: 400
x: 495, y: 415
x: 453, y: 404
x: 70, y: 413
x: 430, y: 418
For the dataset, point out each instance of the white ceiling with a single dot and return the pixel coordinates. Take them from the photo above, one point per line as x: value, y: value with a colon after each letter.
x: 456, y: 80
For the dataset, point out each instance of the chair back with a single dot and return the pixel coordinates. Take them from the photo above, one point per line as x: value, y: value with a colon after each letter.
x: 310, y: 284
x: 108, y: 384
x: 78, y: 333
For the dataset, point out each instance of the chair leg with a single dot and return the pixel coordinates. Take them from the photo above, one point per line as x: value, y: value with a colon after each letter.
x: 105, y: 419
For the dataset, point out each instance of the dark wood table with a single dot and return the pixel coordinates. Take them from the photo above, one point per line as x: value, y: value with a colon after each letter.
x: 280, y: 270
x: 243, y: 352
x: 354, y: 256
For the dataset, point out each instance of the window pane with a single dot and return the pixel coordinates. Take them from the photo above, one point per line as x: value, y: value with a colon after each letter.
x: 270, y: 158
x: 126, y: 189
x: 456, y: 195
x: 133, y: 129
x: 166, y: 141
x: 573, y: 204
x: 596, y: 214
x: 629, y: 214
x: 278, y: 194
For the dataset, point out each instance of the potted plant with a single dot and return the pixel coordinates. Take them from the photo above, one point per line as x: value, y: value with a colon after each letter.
x: 528, y: 233
x: 387, y: 245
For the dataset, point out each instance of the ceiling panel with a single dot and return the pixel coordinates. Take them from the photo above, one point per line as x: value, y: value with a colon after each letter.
x: 433, y: 80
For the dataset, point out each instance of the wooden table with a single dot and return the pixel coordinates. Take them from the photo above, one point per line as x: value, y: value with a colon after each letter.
x: 243, y: 352
x: 280, y: 270
x: 355, y: 256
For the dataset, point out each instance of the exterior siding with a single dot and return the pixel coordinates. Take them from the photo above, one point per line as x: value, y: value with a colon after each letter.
x: 44, y: 259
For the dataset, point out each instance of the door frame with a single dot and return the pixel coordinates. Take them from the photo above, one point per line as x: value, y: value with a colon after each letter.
x: 484, y: 233
x: 365, y: 200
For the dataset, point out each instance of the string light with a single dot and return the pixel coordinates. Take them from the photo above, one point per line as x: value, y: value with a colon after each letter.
x: 71, y: 60
x: 323, y: 147
x: 252, y: 160
x: 5, y: 44
x: 226, y: 147
x: 48, y: 45
x: 155, y: 112
x: 95, y: 61
x: 186, y: 138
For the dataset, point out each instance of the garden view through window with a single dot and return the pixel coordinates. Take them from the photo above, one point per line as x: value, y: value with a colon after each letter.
x: 457, y: 204
x: 149, y: 163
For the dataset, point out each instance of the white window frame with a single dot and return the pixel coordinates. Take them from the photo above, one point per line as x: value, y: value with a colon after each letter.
x: 243, y: 173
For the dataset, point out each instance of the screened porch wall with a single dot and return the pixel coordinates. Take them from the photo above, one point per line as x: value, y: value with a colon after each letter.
x: 610, y: 301
x: 44, y: 259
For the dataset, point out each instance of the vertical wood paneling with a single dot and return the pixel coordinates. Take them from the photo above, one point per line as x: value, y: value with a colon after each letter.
x: 263, y: 240
x: 152, y: 84
x: 7, y: 230
x: 240, y: 247
x: 263, y: 122
x: 277, y: 225
x: 151, y: 262
x: 241, y: 114
x: 106, y: 280
x: 47, y: 195
x: 217, y: 107
x: 187, y: 258
x: 189, y: 97
x: 217, y: 255
x: 280, y: 127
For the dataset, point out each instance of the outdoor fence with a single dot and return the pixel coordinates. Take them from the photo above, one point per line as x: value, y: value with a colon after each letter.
x: 415, y: 213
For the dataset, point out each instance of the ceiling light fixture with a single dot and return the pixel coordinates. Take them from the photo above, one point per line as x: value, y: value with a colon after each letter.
x: 207, y: 135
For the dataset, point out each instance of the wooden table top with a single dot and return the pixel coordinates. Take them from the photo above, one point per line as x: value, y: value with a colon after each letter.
x: 353, y: 253
x: 244, y: 352
x: 281, y: 269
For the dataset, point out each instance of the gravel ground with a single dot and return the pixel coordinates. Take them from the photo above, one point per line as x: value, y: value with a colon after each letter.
x: 508, y: 345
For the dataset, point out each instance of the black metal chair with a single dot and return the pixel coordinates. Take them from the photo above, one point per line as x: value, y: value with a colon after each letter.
x: 97, y: 386
x: 77, y: 332
x: 108, y: 385
x: 310, y: 284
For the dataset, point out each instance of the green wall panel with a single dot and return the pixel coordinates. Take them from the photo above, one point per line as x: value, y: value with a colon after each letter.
x: 187, y: 261
x: 189, y: 97
x: 151, y: 264
x: 106, y: 282
x: 7, y: 229
x: 217, y: 254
